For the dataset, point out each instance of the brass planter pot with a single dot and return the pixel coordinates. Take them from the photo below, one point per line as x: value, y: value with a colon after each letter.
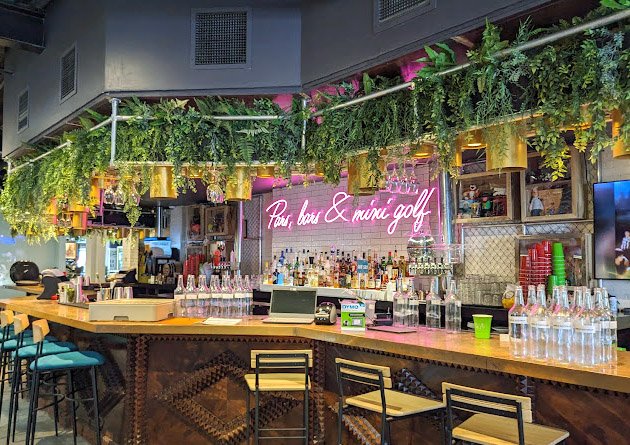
x: 266, y: 171
x: 162, y: 186
x: 471, y: 140
x: 95, y: 191
x: 361, y: 181
x: 77, y: 208
x: 193, y: 171
x: 79, y: 221
x: 422, y: 150
x: 620, y: 149
x: 514, y: 159
x: 239, y: 185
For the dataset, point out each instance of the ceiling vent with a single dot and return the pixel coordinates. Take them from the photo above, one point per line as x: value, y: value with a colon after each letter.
x: 220, y: 38
x: 68, y: 85
x: 388, y: 13
x: 22, y: 111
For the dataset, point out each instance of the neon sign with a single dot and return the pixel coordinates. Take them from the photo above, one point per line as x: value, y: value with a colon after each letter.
x: 340, y: 210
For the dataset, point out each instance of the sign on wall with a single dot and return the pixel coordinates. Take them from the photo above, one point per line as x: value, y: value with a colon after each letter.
x: 384, y: 207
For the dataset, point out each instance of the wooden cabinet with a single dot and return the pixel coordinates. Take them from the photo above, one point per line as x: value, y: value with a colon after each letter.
x: 545, y: 200
x: 485, y: 197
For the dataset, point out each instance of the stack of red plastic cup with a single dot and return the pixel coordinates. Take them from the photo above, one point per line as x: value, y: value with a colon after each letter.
x: 525, y: 266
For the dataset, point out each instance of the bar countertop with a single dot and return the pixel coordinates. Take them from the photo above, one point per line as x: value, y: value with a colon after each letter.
x: 457, y: 349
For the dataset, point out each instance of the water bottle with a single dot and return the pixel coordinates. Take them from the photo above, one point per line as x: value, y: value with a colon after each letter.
x: 518, y: 328
x: 531, y: 298
x: 179, y: 294
x: 539, y: 328
x: 413, y: 304
x: 453, y: 321
x: 434, y: 304
x: 249, y: 296
x: 203, y: 297
x: 227, y: 295
x: 608, y: 334
x: 215, y: 297
x: 562, y: 347
x: 587, y: 333
x: 190, y: 299
x: 399, y: 304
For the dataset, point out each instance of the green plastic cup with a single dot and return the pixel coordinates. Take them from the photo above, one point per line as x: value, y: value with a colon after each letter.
x: 482, y: 325
x: 557, y: 250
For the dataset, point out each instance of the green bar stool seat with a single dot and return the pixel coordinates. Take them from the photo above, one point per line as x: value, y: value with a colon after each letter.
x: 11, y: 345
x: 63, y: 363
x: 56, y: 347
x: 67, y: 360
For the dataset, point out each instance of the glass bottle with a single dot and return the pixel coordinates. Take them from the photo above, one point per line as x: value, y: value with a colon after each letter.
x: 238, y: 301
x: 538, y: 321
x: 453, y: 317
x: 190, y: 301
x: 531, y: 298
x: 608, y: 323
x: 434, y: 303
x: 562, y: 342
x: 203, y: 298
x: 215, y: 296
x: 179, y: 294
x: 399, y: 305
x: 578, y: 300
x: 413, y: 305
x: 587, y: 333
x: 249, y: 296
x: 227, y: 294
x: 518, y: 328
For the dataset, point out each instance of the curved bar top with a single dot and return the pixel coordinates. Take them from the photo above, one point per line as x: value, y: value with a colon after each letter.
x: 456, y: 349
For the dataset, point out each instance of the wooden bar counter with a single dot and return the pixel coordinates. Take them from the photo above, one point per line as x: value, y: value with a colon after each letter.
x: 178, y: 381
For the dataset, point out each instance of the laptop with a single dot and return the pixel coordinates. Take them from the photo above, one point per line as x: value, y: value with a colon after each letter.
x: 292, y: 305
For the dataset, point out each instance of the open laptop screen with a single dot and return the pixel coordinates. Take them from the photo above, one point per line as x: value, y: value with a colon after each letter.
x: 286, y: 301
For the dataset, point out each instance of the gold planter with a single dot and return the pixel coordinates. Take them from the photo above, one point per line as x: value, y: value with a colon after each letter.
x: 457, y: 158
x: 239, y: 185
x: 75, y: 207
x: 193, y: 171
x: 79, y: 221
x: 361, y: 181
x: 266, y: 171
x: 95, y: 191
x: 471, y: 140
x: 162, y: 186
x: 620, y: 149
x: 422, y: 150
x: 514, y: 158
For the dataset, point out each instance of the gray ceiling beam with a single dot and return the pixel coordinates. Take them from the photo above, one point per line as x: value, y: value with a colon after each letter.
x: 21, y: 28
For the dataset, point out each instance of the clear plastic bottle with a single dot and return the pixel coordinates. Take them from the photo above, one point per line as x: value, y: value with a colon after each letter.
x: 413, y: 304
x: 190, y: 301
x: 453, y: 306
x: 562, y: 343
x: 179, y: 294
x: 539, y: 326
x: 227, y: 297
x: 587, y: 333
x: 215, y: 296
x: 608, y: 323
x: 578, y: 301
x: 203, y: 298
x: 555, y: 298
x: 531, y: 298
x: 249, y: 296
x: 434, y: 304
x: 400, y: 302
x: 518, y: 328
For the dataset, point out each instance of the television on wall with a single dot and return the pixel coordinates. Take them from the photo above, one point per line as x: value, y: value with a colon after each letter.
x: 611, y: 202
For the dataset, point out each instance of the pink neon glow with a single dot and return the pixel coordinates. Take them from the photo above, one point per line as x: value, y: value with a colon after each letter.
x: 340, y: 211
x: 284, y: 101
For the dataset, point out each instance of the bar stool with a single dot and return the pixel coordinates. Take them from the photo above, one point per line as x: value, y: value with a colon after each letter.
x: 26, y: 351
x: 67, y: 362
x: 499, y: 418
x: 391, y: 405
x: 298, y: 360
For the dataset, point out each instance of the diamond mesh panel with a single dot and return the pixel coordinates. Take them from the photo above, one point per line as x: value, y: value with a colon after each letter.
x: 250, y: 254
x: 392, y: 8
x: 490, y: 250
x: 68, y: 73
x: 220, y: 38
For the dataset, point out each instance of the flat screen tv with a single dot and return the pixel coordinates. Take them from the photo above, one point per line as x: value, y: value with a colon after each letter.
x: 612, y: 230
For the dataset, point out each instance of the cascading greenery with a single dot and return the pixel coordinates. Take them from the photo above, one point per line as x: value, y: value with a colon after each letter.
x: 570, y: 84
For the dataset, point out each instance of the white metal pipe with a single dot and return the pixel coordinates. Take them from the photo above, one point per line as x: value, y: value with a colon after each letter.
x: 114, y: 121
x: 43, y: 155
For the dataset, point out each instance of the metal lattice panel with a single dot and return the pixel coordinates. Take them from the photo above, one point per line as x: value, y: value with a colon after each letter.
x: 68, y: 84
x: 388, y: 9
x: 220, y: 38
x: 559, y: 228
x: 250, y: 253
x: 489, y: 250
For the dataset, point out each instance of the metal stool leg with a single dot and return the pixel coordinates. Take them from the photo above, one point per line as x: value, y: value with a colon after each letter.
x: 248, y: 417
x: 32, y: 423
x: 72, y: 405
x: 95, y: 396
x: 13, y: 404
x: 256, y: 418
x: 306, y: 417
x: 55, y: 403
x: 339, y: 421
x: 4, y: 356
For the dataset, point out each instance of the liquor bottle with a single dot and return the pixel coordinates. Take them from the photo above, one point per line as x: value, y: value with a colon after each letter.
x: 608, y: 335
x: 434, y: 304
x: 282, y: 258
x: 370, y: 278
x: 179, y: 294
x: 587, y: 327
x: 402, y: 267
x: 453, y: 317
x: 389, y: 267
x: 562, y: 342
x: 539, y: 325
x: 518, y: 329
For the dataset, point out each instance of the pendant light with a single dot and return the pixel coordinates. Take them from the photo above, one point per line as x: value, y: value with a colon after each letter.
x: 266, y: 171
x: 620, y: 149
x: 471, y: 140
x: 421, y: 150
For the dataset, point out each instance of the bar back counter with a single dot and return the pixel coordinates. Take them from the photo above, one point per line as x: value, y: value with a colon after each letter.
x: 178, y: 381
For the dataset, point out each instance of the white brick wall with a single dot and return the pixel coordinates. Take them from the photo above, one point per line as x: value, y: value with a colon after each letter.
x: 346, y: 236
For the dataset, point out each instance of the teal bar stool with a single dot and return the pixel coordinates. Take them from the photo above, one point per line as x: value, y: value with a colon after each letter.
x: 23, y: 349
x: 66, y: 362
x: 8, y: 344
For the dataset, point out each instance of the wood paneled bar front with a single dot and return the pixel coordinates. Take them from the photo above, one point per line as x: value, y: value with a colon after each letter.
x: 177, y: 381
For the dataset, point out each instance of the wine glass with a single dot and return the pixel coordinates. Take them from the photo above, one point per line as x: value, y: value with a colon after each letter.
x: 108, y: 195
x: 119, y: 197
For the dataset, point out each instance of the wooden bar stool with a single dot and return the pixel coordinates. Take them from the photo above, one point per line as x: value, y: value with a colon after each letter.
x: 499, y: 419
x: 66, y: 362
x: 24, y: 350
x: 298, y: 380
x: 391, y: 405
